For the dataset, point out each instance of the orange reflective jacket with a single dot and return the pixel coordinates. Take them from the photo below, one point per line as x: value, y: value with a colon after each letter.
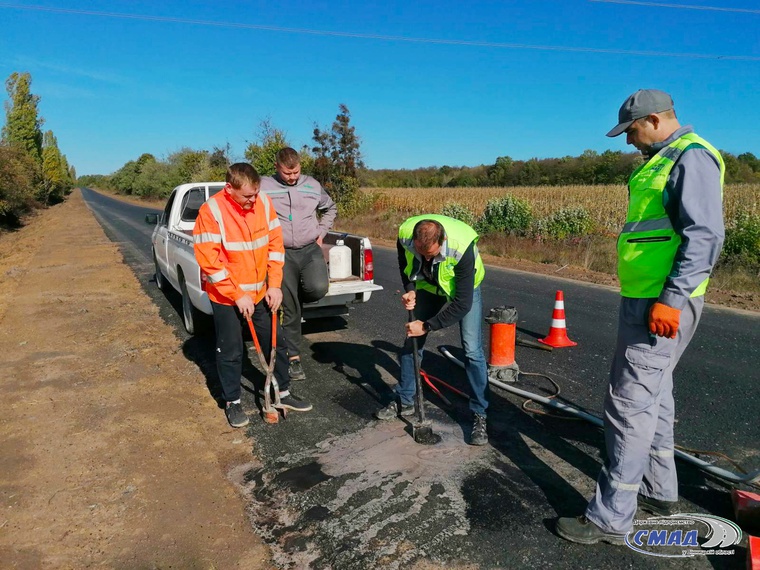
x: 239, y: 251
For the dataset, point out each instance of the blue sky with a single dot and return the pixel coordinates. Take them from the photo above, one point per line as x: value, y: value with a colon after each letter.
x: 487, y: 78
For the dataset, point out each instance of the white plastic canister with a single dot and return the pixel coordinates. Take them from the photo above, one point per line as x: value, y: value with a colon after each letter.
x: 340, y: 261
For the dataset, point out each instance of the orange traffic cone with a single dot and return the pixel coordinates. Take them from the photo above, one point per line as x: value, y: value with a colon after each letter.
x: 557, y: 336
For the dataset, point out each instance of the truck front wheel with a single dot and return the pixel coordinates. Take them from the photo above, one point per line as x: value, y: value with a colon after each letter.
x: 192, y: 318
x: 160, y: 279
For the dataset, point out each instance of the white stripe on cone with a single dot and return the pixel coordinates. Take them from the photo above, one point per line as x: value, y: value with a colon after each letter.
x: 558, y: 324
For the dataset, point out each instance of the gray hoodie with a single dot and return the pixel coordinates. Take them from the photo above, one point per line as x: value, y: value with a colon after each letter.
x: 297, y: 208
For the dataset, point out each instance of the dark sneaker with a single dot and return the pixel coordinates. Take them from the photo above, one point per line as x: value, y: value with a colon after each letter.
x: 479, y: 435
x: 295, y: 370
x: 583, y: 531
x: 656, y: 506
x: 395, y: 410
x: 235, y: 415
x: 292, y: 402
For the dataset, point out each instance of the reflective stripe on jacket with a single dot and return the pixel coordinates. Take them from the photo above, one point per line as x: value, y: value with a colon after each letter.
x: 240, y: 251
x: 648, y: 243
x: 458, y: 238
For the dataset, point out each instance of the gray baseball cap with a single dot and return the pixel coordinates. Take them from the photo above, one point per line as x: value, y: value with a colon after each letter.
x: 641, y: 104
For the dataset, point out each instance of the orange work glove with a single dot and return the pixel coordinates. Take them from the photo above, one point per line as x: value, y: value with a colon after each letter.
x: 664, y: 320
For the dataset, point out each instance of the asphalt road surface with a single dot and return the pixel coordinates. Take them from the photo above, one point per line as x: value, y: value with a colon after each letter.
x: 337, y: 489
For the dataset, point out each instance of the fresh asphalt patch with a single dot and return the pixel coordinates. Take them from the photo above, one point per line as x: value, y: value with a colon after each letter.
x: 335, y: 488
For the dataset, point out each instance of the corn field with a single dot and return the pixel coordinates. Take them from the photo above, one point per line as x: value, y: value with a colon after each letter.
x: 606, y: 204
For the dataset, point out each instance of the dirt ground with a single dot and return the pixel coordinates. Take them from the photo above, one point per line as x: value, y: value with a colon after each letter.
x: 112, y: 452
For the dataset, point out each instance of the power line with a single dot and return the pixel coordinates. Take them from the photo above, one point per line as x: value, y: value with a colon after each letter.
x: 680, y: 6
x: 358, y: 35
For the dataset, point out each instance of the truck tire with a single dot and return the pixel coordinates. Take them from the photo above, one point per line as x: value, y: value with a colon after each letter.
x: 191, y: 317
x: 160, y: 279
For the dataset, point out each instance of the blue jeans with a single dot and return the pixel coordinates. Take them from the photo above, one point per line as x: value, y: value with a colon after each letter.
x: 471, y: 334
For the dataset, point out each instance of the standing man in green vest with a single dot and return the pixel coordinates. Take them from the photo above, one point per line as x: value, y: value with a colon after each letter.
x: 670, y: 242
x: 441, y: 271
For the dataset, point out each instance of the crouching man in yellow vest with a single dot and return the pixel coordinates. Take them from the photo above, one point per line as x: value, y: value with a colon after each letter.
x: 441, y: 271
x: 670, y: 242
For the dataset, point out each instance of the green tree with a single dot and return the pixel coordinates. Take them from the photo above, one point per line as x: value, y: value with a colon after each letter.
x: 337, y: 157
x: 500, y: 174
x: 529, y: 173
x: 263, y: 154
x: 123, y: 180
x: 307, y: 160
x: 23, y: 127
x: 157, y: 179
x: 55, y: 171
x: 94, y: 181
x: 190, y: 164
x: 16, y: 185
x: 750, y: 160
x: 218, y: 162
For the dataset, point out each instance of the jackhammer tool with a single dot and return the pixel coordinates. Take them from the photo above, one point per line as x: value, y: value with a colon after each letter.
x: 422, y: 429
x: 269, y: 410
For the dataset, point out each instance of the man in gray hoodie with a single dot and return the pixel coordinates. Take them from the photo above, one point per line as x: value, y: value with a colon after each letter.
x: 667, y: 248
x: 306, y: 214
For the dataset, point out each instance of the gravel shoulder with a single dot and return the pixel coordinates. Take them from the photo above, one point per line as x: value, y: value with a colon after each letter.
x: 112, y: 453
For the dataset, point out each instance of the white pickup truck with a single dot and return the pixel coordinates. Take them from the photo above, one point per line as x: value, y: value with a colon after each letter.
x: 176, y: 265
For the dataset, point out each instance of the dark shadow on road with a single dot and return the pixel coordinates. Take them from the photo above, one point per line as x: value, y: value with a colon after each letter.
x: 531, y: 333
x: 201, y: 351
x: 361, y: 365
x: 325, y: 324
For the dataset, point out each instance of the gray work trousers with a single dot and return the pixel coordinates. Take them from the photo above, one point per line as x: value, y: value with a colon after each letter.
x: 639, y: 412
x: 304, y: 280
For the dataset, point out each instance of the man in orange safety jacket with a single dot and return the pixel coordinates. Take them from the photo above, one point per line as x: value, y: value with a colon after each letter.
x: 239, y: 248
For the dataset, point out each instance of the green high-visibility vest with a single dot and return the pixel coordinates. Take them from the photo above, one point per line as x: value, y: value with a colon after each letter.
x: 648, y: 244
x: 458, y: 238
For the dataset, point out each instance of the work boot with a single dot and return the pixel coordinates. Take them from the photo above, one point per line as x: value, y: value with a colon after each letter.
x: 235, y: 415
x: 655, y: 506
x: 479, y: 436
x: 295, y: 370
x: 583, y: 531
x: 290, y: 401
x: 395, y: 410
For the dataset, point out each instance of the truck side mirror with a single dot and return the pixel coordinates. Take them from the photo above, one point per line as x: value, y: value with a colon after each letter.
x: 151, y: 219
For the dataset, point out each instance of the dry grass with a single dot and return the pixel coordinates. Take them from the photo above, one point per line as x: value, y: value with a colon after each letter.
x: 592, y: 258
x: 606, y: 204
x: 593, y: 253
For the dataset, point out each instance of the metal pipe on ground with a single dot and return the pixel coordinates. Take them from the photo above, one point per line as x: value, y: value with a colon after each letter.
x: 748, y: 479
